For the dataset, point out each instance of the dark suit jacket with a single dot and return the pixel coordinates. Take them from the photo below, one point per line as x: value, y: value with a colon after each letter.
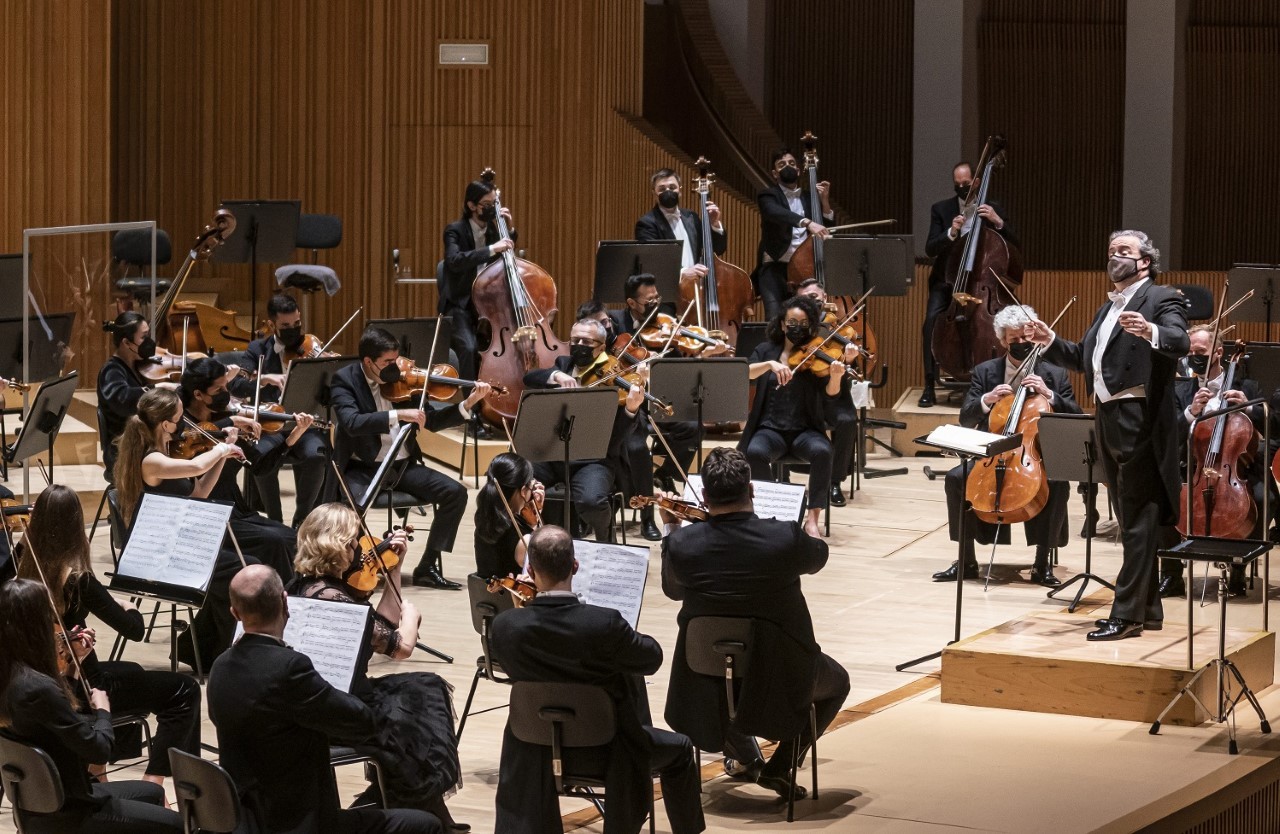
x: 119, y: 390
x: 461, y: 262
x: 820, y: 409
x: 557, y: 638
x: 1129, y: 361
x: 938, y: 245
x: 360, y: 426
x: 1185, y: 391
x: 655, y: 226
x: 777, y: 221
x: 740, y: 565
x: 276, y: 718
x: 264, y: 348
x: 623, y: 423
x: 987, y: 375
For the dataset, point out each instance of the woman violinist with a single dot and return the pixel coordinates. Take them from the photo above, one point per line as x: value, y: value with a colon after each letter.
x: 415, y: 743
x: 56, y: 533
x: 510, y: 491
x: 38, y: 706
x: 120, y: 385
x: 792, y: 411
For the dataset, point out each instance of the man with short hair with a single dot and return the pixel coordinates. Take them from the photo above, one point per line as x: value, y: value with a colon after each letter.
x: 367, y: 425
x: 276, y: 718
x: 557, y: 638
x: 784, y: 225
x: 668, y: 221
x: 736, y: 564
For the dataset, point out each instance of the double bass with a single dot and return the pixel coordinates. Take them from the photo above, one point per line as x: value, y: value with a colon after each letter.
x: 167, y: 320
x: 723, y: 297
x: 515, y: 301
x: 979, y: 273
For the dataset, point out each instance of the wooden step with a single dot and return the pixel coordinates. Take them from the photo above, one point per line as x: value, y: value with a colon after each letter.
x: 921, y: 421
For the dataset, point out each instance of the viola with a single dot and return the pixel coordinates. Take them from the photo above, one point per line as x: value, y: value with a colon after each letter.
x: 683, y: 510
x: 724, y: 296
x: 375, y: 555
x: 979, y: 273
x: 690, y: 340
x: 196, y: 441
x: 272, y: 417
x: 165, y: 366
x: 813, y: 357
x: 521, y: 590
x: 441, y: 383
x: 611, y: 372
x: 628, y: 349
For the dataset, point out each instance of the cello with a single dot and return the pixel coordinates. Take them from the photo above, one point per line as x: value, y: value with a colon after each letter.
x: 515, y: 301
x: 978, y: 274
x: 723, y: 296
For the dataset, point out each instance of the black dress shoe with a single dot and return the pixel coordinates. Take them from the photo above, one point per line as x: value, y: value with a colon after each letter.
x: 650, y: 531
x: 1116, y: 630
x: 928, y: 399
x: 837, y: 496
x: 1172, y: 586
x: 432, y: 578
x: 950, y: 574
x: 1045, y: 577
x: 781, y: 785
x: 1149, y: 625
x: 743, y: 771
x: 1090, y: 528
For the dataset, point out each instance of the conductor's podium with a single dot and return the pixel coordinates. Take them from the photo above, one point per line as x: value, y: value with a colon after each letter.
x: 1043, y: 663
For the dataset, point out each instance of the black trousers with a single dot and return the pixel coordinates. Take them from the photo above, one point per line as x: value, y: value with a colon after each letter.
x: 446, y: 495
x: 813, y: 447
x: 270, y: 542
x: 392, y: 821
x: 131, y: 808
x: 939, y: 300
x: 463, y: 341
x: 213, y: 624
x: 312, y: 485
x: 682, y: 436
x: 1131, y: 464
x: 844, y: 436
x: 1047, y: 529
x: 173, y: 698
x: 772, y: 286
x: 591, y: 488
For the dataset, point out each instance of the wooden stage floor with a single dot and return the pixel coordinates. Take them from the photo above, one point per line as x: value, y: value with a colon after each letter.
x: 901, y: 759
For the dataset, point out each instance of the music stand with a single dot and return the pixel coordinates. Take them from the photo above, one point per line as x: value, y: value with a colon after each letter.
x: 42, y: 422
x: 967, y: 455
x: 565, y: 424
x: 306, y: 386
x: 1069, y: 450
x: 266, y: 231
x: 1264, y: 280
x: 617, y: 260
x: 1262, y: 363
x: 417, y: 335
x: 712, y: 390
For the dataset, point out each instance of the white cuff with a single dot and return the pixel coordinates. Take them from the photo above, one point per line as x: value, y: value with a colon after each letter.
x: 464, y: 411
x: 392, y: 419
x: 1155, y: 336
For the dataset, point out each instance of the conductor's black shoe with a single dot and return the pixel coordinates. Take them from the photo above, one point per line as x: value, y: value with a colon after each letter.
x: 1045, y: 577
x: 928, y: 399
x: 950, y: 574
x: 1149, y: 625
x: 1116, y: 630
x: 837, y: 496
x: 1172, y: 586
x: 432, y: 578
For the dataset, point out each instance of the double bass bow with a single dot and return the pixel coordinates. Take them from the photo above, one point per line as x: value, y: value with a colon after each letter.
x: 978, y: 273
x: 515, y: 301
x: 723, y: 297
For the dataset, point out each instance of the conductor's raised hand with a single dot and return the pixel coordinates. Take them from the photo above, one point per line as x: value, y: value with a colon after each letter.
x: 1135, y: 324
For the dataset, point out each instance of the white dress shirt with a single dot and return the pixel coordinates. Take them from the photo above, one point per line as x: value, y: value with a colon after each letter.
x: 687, y: 258
x: 1119, y: 300
x: 381, y: 403
x: 478, y: 232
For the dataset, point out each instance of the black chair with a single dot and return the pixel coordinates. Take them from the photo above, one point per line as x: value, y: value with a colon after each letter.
x: 207, y: 796
x: 396, y: 502
x: 30, y: 780
x: 484, y: 607
x: 1198, y: 300
x: 342, y: 756
x: 132, y: 248
x: 721, y: 647
x: 138, y: 719
x: 782, y: 468
x: 567, y: 715
x: 315, y: 232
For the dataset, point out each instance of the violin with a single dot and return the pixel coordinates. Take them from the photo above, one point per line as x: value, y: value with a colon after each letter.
x: 272, y: 417
x: 611, y: 371
x: 310, y: 347
x: 441, y: 383
x: 683, y: 510
x: 724, y: 296
x: 375, y: 554
x: 15, y: 516
x: 15, y: 385
x: 628, y: 349
x: 196, y: 441
x: 165, y: 366
x: 521, y: 590
x: 690, y: 340
x: 813, y: 355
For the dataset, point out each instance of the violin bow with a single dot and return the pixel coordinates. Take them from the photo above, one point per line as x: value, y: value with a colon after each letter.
x: 1035, y: 353
x: 364, y: 528
x: 338, y: 332
x: 57, y: 616
x: 813, y: 351
x: 186, y: 320
x: 207, y: 436
x: 684, y: 476
x: 431, y: 358
x: 675, y: 328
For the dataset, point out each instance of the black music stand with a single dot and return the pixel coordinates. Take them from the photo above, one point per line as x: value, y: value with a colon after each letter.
x: 266, y: 231
x: 306, y: 387
x: 617, y: 260
x: 416, y: 336
x: 1264, y: 280
x: 1262, y: 364
x: 1069, y: 450
x: 44, y: 419
x: 967, y: 455
x: 711, y: 390
x: 564, y: 425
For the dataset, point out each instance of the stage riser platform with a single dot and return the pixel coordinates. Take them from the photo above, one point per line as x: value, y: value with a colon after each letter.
x: 920, y: 421
x: 1042, y: 663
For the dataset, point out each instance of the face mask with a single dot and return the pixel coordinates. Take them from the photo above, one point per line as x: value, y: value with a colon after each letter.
x: 583, y: 355
x: 390, y: 374
x: 797, y: 335
x: 1120, y: 267
x: 669, y: 199
x: 220, y: 401
x: 488, y: 213
x: 962, y: 191
x: 147, y: 349
x: 648, y: 309
x: 609, y: 333
x: 1199, y: 363
x: 789, y: 175
x: 1020, y: 350
x: 290, y: 337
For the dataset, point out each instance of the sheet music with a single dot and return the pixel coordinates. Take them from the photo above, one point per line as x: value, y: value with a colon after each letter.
x: 329, y: 633
x: 772, y: 500
x: 611, y: 575
x: 971, y: 441
x: 175, y: 540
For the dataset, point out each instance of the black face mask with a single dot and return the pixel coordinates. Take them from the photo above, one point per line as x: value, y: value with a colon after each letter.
x: 609, y: 332
x: 789, y: 175
x: 583, y: 355
x: 1199, y: 363
x: 669, y: 199
x: 798, y: 335
x: 390, y: 374
x: 1021, y: 350
x: 962, y: 191
x: 488, y: 213
x: 220, y: 401
x: 147, y: 349
x: 648, y: 310
x: 290, y: 337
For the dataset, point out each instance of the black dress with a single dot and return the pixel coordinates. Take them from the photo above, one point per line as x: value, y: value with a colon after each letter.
x: 415, y: 742
x: 495, y: 546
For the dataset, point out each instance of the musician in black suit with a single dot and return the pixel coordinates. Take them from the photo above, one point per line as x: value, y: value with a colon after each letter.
x: 367, y: 423
x: 736, y: 564
x: 592, y: 482
x: 310, y: 455
x: 784, y: 225
x: 667, y: 221
x: 557, y: 638
x: 276, y: 718
x: 989, y: 383
x: 945, y: 222
x: 1129, y: 357
x: 469, y: 244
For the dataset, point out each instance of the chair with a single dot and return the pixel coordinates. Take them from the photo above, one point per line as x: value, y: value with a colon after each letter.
x: 782, y: 474
x: 342, y: 756
x: 721, y: 647
x: 315, y: 232
x: 132, y: 247
x: 567, y: 715
x: 484, y: 607
x: 393, y: 501
x: 1198, y: 300
x: 30, y: 779
x: 138, y: 719
x: 207, y: 796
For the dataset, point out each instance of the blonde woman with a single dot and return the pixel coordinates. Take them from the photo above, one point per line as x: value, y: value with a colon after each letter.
x: 415, y: 744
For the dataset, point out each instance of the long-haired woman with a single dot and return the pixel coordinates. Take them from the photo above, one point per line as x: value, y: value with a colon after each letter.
x: 510, y: 487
